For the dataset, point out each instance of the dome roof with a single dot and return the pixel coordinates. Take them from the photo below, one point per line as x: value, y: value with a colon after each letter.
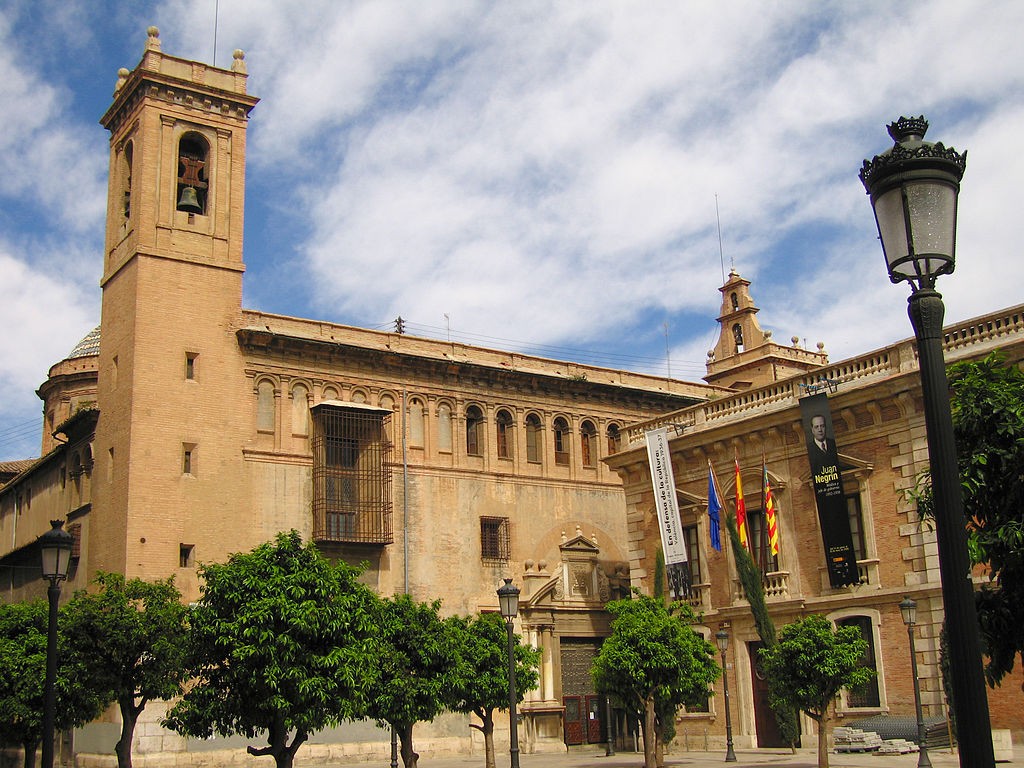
x: 88, y: 346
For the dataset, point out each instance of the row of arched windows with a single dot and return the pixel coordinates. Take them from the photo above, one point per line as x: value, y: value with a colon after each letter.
x: 563, y: 443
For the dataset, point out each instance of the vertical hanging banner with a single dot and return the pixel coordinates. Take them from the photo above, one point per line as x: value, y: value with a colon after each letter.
x: 833, y: 517
x: 666, y: 506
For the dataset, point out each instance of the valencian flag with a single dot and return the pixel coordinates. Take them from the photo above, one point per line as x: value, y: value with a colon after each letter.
x: 714, y: 507
x: 741, y: 509
x: 769, y: 509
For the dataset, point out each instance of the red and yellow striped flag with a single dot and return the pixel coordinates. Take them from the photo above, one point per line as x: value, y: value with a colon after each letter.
x: 769, y: 511
x: 741, y: 509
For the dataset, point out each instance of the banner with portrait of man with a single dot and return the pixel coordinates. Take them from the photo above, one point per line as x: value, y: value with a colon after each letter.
x: 827, y: 479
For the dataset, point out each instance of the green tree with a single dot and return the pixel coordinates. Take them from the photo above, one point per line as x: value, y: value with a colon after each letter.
x: 808, y: 666
x: 130, y: 635
x: 281, y: 644
x: 753, y: 588
x: 23, y: 633
x: 988, y: 422
x: 653, y: 658
x: 419, y: 668
x: 481, y: 686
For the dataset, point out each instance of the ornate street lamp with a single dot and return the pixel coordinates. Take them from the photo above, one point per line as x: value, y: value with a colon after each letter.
x: 722, y: 640
x: 909, y: 610
x: 913, y: 188
x: 55, y: 546
x: 508, y: 604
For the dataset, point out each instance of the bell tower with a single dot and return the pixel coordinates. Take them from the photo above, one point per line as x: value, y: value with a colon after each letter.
x: 169, y: 363
x: 745, y: 356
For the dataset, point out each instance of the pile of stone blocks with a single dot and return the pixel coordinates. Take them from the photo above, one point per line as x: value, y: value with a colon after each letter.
x: 855, y: 740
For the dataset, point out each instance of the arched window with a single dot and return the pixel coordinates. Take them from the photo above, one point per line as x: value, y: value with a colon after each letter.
x: 330, y: 393
x: 506, y: 435
x: 737, y: 334
x: 193, y: 168
x: 358, y: 396
x: 561, y: 435
x: 388, y: 402
x: 588, y: 443
x: 126, y: 180
x: 533, y: 438
x: 474, y: 431
x: 444, y: 428
x: 614, y: 439
x: 265, y: 416
x: 300, y: 410
x: 735, y: 300
x: 416, y: 422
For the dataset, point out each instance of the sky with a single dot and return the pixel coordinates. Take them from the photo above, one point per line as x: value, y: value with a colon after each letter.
x: 572, y: 179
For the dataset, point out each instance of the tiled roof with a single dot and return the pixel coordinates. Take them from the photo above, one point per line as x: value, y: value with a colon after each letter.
x: 88, y: 346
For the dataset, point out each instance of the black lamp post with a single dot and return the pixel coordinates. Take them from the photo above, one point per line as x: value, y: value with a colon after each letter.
x: 508, y: 604
x: 909, y: 610
x: 55, y: 546
x: 722, y: 640
x: 913, y: 188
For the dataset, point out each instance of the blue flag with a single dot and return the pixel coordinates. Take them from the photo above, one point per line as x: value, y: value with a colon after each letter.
x: 714, y: 507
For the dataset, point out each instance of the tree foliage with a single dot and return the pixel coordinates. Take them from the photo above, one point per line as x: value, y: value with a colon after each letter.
x: 130, y: 635
x: 481, y: 685
x: 753, y: 588
x: 282, y: 643
x: 988, y: 422
x: 23, y: 637
x: 419, y: 667
x: 808, y: 666
x: 653, y: 654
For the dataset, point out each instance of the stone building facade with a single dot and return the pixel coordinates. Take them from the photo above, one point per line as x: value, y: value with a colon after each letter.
x: 878, y: 420
x: 186, y: 428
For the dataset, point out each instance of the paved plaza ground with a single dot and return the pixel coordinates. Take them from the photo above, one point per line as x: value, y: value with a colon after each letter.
x: 769, y: 758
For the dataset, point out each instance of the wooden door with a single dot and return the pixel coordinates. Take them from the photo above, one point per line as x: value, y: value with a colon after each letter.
x: 764, y: 719
x: 574, y: 716
x: 595, y: 721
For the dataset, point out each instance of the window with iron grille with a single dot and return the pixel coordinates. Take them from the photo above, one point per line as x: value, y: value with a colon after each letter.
x: 351, y: 474
x: 494, y: 539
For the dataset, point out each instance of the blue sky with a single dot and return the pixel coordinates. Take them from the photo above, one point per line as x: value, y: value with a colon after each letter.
x: 532, y: 175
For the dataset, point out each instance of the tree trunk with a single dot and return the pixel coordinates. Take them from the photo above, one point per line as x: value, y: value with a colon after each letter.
x: 823, y: 740
x: 129, y: 716
x: 277, y: 744
x: 488, y: 730
x: 30, y: 748
x: 650, y: 737
x: 659, y: 742
x: 409, y: 757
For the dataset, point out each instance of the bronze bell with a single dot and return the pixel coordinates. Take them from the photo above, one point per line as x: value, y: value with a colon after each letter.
x: 189, y: 201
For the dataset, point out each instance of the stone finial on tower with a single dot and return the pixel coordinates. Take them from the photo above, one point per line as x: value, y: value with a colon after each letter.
x: 152, y: 39
x: 122, y: 78
x: 238, y: 62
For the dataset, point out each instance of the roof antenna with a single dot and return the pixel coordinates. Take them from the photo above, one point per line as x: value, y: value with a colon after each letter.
x: 721, y: 251
x: 216, y: 18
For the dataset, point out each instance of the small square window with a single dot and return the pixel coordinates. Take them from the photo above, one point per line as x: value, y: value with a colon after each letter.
x: 494, y: 539
x: 185, y: 553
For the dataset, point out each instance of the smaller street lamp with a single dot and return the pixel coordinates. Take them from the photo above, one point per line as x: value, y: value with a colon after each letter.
x: 909, y: 610
x: 722, y: 640
x: 508, y: 604
x: 55, y: 547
